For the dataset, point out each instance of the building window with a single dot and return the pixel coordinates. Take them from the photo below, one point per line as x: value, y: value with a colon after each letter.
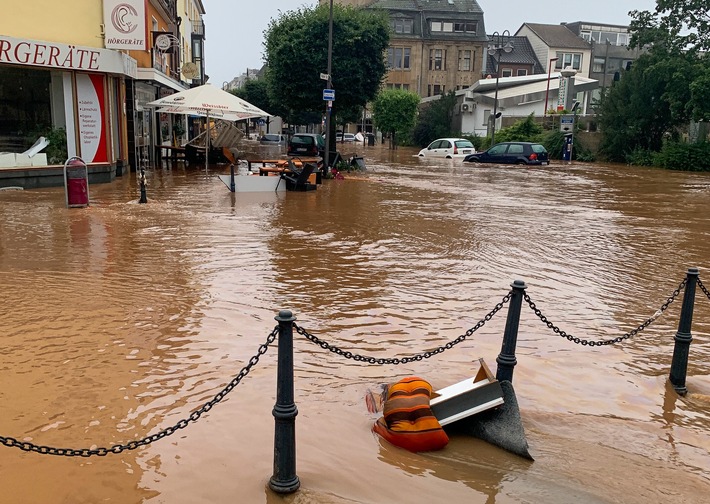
x: 437, y: 59
x: 435, y: 89
x: 398, y: 58
x: 402, y: 25
x: 598, y: 66
x: 521, y: 71
x: 442, y: 26
x: 465, y: 27
x: 465, y: 61
x: 611, y: 35
x: 565, y: 60
x: 404, y: 87
x: 506, y: 72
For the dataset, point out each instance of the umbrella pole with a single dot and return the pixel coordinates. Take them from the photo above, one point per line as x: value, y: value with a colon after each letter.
x: 207, y: 143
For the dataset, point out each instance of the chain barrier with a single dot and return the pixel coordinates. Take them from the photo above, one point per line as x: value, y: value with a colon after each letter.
x: 703, y: 288
x: 132, y: 445
x: 404, y: 360
x: 618, y: 339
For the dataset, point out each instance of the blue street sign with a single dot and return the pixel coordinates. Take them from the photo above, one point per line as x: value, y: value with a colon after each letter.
x: 329, y: 94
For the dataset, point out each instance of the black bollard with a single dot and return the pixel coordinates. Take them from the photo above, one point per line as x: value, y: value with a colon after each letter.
x: 232, y: 186
x: 144, y: 198
x: 506, y: 359
x: 679, y: 366
x: 284, y: 479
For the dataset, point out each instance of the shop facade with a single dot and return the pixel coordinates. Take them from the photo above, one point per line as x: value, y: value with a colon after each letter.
x: 75, y: 97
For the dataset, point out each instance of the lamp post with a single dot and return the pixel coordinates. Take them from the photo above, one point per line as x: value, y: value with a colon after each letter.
x: 329, y: 104
x: 501, y: 43
x: 547, y: 93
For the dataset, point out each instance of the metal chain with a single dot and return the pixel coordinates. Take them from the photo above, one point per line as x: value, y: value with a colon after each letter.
x: 132, y: 445
x: 703, y: 288
x: 404, y: 360
x: 618, y: 339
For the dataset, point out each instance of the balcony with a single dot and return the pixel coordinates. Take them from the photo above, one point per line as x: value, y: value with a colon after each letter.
x: 198, y: 27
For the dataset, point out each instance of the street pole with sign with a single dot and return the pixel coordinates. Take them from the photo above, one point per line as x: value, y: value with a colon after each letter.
x: 329, y: 106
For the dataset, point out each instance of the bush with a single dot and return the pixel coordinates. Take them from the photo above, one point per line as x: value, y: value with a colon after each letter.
x: 683, y: 156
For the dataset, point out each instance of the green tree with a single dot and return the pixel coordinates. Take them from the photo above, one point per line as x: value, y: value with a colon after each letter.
x: 676, y: 25
x: 435, y: 120
x: 256, y: 92
x: 296, y: 53
x: 395, y: 110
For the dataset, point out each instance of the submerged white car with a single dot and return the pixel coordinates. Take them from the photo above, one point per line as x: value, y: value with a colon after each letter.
x: 449, y: 148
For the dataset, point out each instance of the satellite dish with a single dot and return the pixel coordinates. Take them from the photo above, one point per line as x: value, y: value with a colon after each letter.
x: 190, y: 70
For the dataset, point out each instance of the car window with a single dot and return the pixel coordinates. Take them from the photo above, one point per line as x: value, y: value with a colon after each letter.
x: 463, y: 144
x: 515, y: 149
x: 538, y: 148
x: 497, y: 149
x: 302, y: 140
x: 445, y: 144
x: 435, y: 144
x: 320, y: 141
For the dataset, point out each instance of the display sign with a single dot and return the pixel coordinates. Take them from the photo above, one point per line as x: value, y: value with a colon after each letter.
x: 124, y: 24
x: 17, y: 51
x: 566, y: 123
x: 92, y: 131
x: 329, y: 94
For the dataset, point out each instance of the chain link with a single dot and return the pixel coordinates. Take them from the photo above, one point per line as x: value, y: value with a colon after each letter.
x: 403, y: 360
x: 618, y: 339
x: 703, y: 288
x: 132, y: 445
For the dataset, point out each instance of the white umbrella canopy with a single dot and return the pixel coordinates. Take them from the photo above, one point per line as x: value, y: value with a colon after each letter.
x: 208, y: 100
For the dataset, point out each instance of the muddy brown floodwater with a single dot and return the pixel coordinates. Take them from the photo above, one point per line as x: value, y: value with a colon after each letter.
x: 120, y: 319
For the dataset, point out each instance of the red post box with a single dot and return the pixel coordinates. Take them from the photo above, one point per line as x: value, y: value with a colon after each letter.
x: 76, y: 183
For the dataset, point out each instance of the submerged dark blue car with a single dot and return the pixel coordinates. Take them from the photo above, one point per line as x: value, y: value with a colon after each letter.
x: 520, y: 153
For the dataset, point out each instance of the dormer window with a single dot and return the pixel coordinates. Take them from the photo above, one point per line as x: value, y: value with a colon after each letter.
x: 442, y: 26
x: 402, y: 25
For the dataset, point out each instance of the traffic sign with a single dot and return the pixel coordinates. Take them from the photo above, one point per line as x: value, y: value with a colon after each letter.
x: 324, y: 76
x: 566, y: 123
x: 329, y: 94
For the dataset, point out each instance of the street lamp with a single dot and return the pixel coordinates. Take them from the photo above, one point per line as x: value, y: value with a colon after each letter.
x: 501, y: 43
x: 547, y: 93
x: 329, y: 105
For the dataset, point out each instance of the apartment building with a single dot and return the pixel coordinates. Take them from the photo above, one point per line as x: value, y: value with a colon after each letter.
x: 436, y: 46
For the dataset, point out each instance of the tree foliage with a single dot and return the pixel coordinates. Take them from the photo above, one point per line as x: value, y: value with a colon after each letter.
x: 676, y: 25
x: 666, y: 88
x: 256, y: 92
x: 395, y: 110
x: 435, y: 120
x: 296, y: 53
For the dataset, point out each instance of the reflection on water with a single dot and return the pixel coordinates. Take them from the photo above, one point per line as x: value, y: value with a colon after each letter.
x: 120, y: 319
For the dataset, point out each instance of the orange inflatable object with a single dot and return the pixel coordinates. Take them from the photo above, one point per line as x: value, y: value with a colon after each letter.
x: 408, y: 421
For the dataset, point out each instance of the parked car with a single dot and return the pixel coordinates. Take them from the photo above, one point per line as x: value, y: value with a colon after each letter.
x: 449, y: 148
x: 520, y: 153
x: 345, y: 137
x: 306, y: 144
x: 272, y: 139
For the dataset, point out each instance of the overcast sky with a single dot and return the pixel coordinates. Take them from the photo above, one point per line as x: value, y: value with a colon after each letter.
x: 234, y: 28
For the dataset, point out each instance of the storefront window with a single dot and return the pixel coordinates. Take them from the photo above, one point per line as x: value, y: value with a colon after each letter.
x: 25, y: 107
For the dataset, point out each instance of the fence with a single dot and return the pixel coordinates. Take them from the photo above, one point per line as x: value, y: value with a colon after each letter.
x: 284, y: 479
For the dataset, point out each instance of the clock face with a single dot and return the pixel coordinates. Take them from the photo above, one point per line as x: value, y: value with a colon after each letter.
x: 163, y: 42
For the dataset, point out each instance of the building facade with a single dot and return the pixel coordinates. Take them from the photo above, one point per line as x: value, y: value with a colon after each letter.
x: 435, y: 47
x: 91, y: 83
x: 56, y: 82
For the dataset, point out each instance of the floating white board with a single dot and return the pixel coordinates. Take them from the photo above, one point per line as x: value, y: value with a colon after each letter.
x: 254, y: 183
x: 467, y: 397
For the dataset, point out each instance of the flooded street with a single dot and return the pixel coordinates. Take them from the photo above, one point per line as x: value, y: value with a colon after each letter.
x: 121, y: 319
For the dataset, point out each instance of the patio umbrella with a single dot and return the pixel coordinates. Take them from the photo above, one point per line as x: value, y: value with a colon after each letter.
x: 207, y: 100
